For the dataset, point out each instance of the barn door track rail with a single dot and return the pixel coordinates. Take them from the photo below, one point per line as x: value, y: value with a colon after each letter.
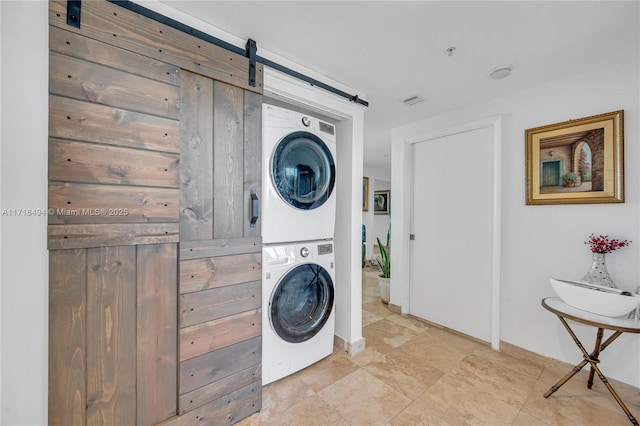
x: 251, y: 47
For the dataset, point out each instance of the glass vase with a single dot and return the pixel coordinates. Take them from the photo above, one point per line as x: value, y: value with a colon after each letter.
x: 598, y: 273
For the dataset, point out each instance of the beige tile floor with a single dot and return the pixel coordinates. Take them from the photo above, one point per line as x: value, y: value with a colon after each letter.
x: 414, y: 373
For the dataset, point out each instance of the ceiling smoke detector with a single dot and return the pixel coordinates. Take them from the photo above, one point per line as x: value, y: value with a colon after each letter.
x: 501, y: 72
x: 415, y: 99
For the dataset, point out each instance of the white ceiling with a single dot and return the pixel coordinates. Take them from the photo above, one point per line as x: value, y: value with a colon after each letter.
x: 391, y: 50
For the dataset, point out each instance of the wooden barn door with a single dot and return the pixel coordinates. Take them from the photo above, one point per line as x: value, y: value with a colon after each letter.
x: 154, y: 306
x: 220, y: 250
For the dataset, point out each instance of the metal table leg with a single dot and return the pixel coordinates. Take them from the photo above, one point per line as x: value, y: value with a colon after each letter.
x: 593, y: 360
x: 594, y: 355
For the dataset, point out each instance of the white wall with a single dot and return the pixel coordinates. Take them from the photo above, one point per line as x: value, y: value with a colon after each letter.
x: 539, y: 242
x: 24, y: 273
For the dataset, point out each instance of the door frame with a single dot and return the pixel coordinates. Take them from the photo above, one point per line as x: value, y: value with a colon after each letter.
x: 401, y: 186
x: 348, y: 187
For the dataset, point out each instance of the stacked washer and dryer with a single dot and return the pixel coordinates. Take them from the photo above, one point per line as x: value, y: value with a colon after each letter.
x: 298, y: 222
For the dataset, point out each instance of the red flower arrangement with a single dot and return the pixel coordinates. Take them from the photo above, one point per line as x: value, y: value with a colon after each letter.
x: 602, y: 244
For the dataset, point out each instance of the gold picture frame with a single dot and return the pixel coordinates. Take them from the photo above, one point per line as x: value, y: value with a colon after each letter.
x: 365, y: 194
x: 577, y: 161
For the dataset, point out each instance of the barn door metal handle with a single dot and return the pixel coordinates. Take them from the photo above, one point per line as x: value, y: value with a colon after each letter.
x: 255, y: 208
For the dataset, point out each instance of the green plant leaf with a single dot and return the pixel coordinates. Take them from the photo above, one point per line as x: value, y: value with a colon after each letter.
x: 384, y: 261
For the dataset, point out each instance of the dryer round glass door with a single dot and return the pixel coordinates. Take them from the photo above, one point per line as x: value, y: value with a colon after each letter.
x: 303, y: 170
x: 301, y: 303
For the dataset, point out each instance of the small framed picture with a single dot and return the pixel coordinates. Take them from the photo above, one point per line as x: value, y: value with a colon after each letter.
x: 381, y: 201
x: 576, y: 162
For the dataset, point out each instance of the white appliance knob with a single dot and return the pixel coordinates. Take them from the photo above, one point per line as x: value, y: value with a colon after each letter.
x: 304, y: 252
x: 306, y: 121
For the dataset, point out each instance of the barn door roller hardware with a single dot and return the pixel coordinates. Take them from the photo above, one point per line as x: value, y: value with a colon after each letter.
x: 249, y: 51
x: 252, y: 47
x: 73, y: 13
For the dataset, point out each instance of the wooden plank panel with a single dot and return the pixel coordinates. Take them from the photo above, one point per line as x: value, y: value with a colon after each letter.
x: 117, y: 26
x: 252, y: 159
x: 76, y: 203
x: 196, y: 153
x: 67, y: 337
x: 228, y: 159
x: 157, y: 372
x: 211, y: 367
x: 219, y: 247
x: 210, y: 336
x: 92, y: 163
x: 113, y: 234
x: 207, y: 305
x: 111, y: 335
x: 227, y: 410
x: 80, y: 47
x: 208, y: 393
x: 87, y: 81
x: 86, y: 121
x: 202, y: 274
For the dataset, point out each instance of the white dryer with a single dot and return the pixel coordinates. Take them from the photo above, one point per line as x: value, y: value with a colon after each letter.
x: 298, y: 315
x: 298, y: 176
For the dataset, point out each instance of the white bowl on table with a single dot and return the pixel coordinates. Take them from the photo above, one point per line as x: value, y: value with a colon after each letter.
x: 594, y: 298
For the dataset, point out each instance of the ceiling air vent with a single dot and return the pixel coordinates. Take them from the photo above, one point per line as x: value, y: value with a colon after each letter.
x: 413, y: 100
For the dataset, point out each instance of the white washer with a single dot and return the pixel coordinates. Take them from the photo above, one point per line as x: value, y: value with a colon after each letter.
x: 298, y: 315
x: 298, y: 176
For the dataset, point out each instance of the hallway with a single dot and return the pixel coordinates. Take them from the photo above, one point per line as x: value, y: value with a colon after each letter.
x: 413, y: 373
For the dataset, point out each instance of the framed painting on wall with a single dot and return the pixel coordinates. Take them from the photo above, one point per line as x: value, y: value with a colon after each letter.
x: 576, y: 162
x: 381, y: 201
x: 365, y: 194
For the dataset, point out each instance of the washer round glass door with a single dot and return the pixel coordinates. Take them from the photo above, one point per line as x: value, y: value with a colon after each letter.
x: 303, y: 170
x: 301, y: 303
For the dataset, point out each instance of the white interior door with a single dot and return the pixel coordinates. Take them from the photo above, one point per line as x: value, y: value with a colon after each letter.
x: 452, y: 221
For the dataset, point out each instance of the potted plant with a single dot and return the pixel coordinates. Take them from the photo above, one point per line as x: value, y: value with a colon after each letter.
x: 570, y: 179
x: 600, y: 246
x: 384, y: 261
